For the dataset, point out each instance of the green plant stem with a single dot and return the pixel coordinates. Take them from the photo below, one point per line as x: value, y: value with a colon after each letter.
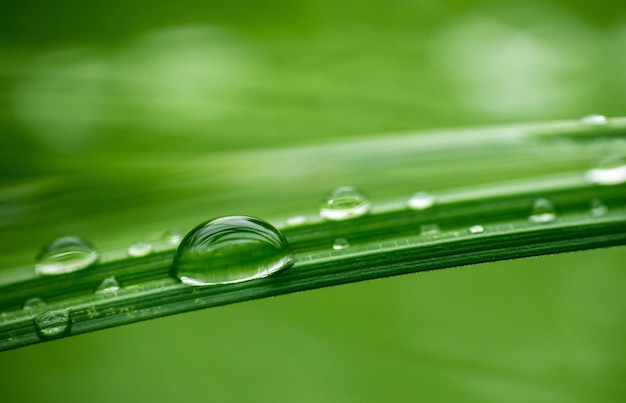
x: 386, y: 242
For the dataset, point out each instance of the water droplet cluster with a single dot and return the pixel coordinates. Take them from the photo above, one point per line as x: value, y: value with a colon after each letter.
x: 65, y: 255
x: 340, y: 243
x: 140, y: 249
x: 53, y: 324
x: 108, y: 285
x: 609, y: 171
x: 542, y: 212
x: 344, y: 203
x: 421, y: 201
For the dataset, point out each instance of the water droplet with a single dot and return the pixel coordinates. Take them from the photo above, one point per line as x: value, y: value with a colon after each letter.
x: 296, y: 220
x: 594, y: 119
x: 476, y: 229
x: 340, y: 243
x: 343, y: 203
x: 139, y: 249
x: 430, y: 229
x: 609, y: 171
x: 598, y: 208
x: 230, y: 250
x: 173, y: 236
x: 108, y: 285
x: 65, y: 255
x: 34, y: 303
x: 421, y: 201
x: 543, y: 211
x: 53, y: 324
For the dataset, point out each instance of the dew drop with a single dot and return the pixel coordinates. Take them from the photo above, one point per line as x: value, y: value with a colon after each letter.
x: 139, y: 249
x: 34, y: 303
x: 421, y: 201
x: 65, y: 255
x: 543, y: 211
x: 598, y: 208
x: 430, y: 229
x: 108, y: 285
x: 609, y: 171
x: 173, y: 236
x: 344, y: 203
x: 476, y: 229
x: 594, y: 119
x: 340, y: 243
x: 230, y: 250
x: 53, y: 324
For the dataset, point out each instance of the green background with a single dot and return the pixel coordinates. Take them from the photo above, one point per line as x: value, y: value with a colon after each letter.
x: 119, y: 121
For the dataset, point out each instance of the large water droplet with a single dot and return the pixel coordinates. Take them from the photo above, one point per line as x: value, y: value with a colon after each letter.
x: 34, y: 303
x: 139, y: 249
x: 64, y: 255
x: 421, y: 201
x: 543, y: 211
x: 594, y: 119
x: 53, y: 324
x: 340, y: 243
x: 230, y: 250
x: 108, y: 285
x: 343, y: 203
x: 476, y: 229
x: 610, y: 171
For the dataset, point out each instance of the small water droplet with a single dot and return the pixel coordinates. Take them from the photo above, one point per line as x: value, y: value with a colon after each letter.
x: 543, y: 211
x: 34, y: 303
x: 476, y: 229
x: 296, y: 220
x: 108, y: 285
x: 343, y: 203
x: 430, y: 229
x: 230, y: 250
x: 421, y: 201
x: 594, y: 119
x: 598, y: 208
x: 139, y: 249
x: 65, y: 255
x: 609, y: 171
x: 340, y: 243
x: 53, y: 324
x: 173, y: 236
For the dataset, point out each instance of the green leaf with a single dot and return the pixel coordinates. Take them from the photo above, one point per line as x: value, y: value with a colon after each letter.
x: 493, y: 180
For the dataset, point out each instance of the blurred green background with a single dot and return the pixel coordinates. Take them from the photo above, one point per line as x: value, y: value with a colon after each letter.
x: 118, y: 121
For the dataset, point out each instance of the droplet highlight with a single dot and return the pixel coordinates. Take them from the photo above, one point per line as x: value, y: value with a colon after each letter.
x: 139, y: 249
x: 296, y: 220
x: 543, y: 211
x: 108, y: 286
x: 340, y: 243
x: 65, y: 255
x: 421, y: 201
x: 609, y: 171
x: 477, y: 229
x: 594, y: 119
x: 344, y: 203
x: 34, y: 303
x: 231, y: 250
x: 53, y: 324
